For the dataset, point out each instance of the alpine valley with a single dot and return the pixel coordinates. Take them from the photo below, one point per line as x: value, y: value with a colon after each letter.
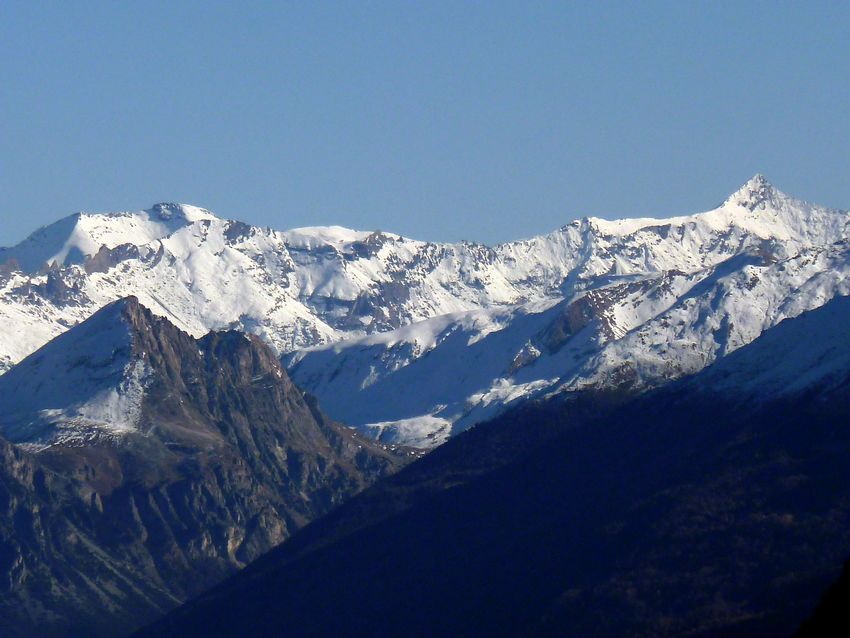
x: 412, y: 342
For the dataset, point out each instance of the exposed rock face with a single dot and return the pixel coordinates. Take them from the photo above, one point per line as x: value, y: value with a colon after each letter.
x: 225, y: 459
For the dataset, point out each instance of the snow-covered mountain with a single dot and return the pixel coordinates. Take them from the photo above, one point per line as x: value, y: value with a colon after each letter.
x: 759, y: 258
x: 84, y: 385
x: 414, y: 340
x: 631, y: 334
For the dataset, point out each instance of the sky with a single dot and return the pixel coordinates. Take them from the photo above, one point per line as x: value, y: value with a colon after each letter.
x: 484, y: 121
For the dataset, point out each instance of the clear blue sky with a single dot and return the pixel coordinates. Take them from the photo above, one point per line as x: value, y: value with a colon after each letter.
x: 439, y: 120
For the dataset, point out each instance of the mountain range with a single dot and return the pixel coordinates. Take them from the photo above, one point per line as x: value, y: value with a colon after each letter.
x: 633, y: 427
x: 359, y: 316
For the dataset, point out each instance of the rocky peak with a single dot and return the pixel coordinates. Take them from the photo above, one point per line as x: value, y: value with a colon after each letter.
x: 112, y: 368
x: 159, y: 464
x: 166, y: 210
x: 172, y: 211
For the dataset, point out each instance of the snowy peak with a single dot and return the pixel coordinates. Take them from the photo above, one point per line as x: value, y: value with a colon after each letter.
x: 76, y: 238
x: 119, y: 310
x: 755, y: 213
x: 86, y: 383
x: 104, y: 379
x: 756, y: 192
x: 90, y: 383
x: 127, y: 313
x: 185, y: 213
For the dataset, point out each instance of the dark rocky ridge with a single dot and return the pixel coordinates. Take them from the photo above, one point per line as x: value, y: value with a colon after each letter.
x: 229, y: 459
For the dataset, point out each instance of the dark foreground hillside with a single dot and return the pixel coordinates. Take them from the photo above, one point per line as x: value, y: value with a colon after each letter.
x: 688, y: 512
x: 832, y: 615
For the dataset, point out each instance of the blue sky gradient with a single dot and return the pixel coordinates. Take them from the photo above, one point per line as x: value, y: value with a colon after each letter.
x: 484, y: 121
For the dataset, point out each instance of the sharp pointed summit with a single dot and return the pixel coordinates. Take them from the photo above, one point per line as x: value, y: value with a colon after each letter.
x: 756, y: 191
x: 105, y: 367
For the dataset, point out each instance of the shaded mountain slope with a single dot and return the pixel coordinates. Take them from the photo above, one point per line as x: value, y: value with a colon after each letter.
x: 109, y: 524
x: 690, y: 511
